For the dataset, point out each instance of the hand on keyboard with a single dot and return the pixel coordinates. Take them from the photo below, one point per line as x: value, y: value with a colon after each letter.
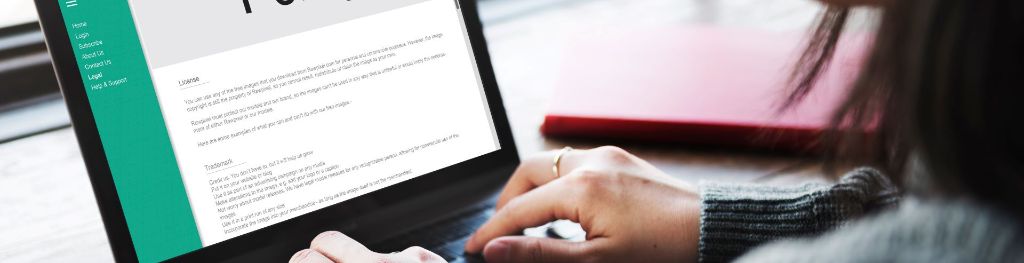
x: 333, y: 246
x: 631, y: 211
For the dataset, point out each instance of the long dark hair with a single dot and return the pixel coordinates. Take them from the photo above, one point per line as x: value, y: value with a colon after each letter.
x: 942, y: 87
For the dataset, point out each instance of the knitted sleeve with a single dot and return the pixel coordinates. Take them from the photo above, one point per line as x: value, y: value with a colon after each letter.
x: 737, y: 217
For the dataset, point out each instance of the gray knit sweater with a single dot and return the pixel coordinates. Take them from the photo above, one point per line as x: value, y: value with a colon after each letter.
x: 815, y: 223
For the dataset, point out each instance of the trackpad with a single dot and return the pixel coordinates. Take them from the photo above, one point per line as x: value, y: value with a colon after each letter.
x: 560, y: 229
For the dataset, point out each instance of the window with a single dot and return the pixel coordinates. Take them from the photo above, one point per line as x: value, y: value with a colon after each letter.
x: 13, y: 12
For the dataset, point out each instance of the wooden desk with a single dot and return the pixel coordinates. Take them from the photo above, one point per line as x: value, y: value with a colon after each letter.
x: 48, y: 213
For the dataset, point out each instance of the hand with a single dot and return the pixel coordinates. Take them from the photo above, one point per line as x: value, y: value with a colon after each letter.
x: 632, y: 211
x: 333, y: 246
x: 852, y: 3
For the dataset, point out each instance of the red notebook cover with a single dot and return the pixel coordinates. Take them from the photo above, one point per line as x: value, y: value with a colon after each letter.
x: 694, y: 85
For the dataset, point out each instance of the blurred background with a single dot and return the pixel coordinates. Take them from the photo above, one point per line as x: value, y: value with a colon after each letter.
x: 29, y: 100
x: 44, y: 186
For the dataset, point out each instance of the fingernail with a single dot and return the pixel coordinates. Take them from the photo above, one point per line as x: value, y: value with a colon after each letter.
x: 498, y: 251
x: 466, y: 247
x: 300, y: 256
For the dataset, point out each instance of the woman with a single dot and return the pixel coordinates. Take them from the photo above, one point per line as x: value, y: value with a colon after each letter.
x: 937, y: 97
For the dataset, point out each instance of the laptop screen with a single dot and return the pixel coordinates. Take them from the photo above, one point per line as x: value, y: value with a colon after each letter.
x: 219, y: 118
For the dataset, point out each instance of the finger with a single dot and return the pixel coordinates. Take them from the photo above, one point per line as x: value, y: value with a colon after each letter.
x: 536, y: 171
x: 415, y: 255
x: 309, y: 256
x: 341, y: 248
x: 544, y: 204
x: 532, y: 249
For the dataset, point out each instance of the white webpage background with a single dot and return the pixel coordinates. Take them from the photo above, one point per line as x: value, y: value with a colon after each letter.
x: 386, y: 114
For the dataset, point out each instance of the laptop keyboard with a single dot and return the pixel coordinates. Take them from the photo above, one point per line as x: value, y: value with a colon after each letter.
x: 446, y: 237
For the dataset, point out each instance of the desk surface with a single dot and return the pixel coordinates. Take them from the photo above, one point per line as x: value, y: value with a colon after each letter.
x: 49, y: 213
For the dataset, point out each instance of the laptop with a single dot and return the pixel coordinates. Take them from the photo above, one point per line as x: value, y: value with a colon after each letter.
x: 239, y: 130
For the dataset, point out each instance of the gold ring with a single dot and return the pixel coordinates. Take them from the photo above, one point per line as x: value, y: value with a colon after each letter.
x: 558, y: 160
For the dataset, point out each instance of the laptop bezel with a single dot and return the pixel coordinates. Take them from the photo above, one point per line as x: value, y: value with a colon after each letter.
x: 68, y: 75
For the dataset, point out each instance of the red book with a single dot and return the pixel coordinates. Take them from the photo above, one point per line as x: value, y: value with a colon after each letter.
x: 694, y: 85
